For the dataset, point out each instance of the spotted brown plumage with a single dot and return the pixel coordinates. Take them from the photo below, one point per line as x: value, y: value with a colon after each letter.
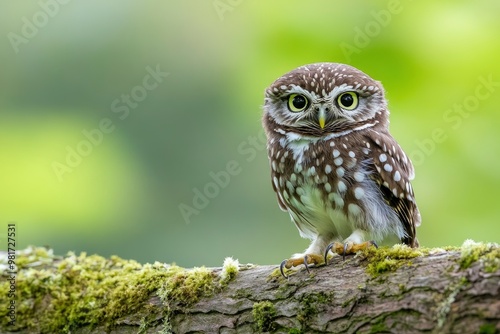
x: 334, y: 165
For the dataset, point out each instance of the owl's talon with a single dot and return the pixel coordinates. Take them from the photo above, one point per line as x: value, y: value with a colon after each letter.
x: 347, y: 248
x: 283, y: 263
x: 335, y: 247
x: 305, y: 264
x: 346, y: 245
x: 330, y: 246
x: 305, y: 260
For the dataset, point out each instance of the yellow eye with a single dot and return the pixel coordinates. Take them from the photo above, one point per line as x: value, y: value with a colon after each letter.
x: 297, y: 102
x: 348, y: 100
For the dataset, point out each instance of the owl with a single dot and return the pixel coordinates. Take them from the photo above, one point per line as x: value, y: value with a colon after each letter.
x: 335, y: 167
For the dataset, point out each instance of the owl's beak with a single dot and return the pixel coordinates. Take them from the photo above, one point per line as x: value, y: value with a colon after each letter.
x: 321, y: 118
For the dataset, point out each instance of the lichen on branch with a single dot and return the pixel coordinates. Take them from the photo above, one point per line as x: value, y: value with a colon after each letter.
x: 57, y: 294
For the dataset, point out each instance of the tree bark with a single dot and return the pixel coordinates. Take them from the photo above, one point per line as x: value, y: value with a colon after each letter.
x: 439, y: 291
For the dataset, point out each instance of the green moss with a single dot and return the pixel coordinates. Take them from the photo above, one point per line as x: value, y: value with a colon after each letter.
x: 385, y: 259
x: 185, y: 287
x: 229, y: 271
x: 310, y: 305
x: 451, y: 248
x: 275, y: 274
x: 488, y: 329
x: 81, y: 290
x: 472, y: 252
x: 263, y: 315
x: 34, y: 256
x: 491, y: 261
x: 379, y: 328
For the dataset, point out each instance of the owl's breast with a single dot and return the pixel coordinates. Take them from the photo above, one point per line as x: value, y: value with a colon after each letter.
x: 319, y: 185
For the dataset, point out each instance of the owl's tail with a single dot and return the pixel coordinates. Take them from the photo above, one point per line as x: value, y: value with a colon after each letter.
x: 411, y: 241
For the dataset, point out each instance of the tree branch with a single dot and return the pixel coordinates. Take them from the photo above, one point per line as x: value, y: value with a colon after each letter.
x: 389, y: 290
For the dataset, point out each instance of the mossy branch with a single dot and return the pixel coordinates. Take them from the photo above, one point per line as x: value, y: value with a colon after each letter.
x: 389, y: 290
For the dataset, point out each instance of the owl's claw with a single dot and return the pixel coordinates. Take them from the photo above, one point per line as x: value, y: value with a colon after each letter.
x: 347, y: 248
x: 346, y: 245
x: 281, y: 269
x: 305, y: 264
x: 337, y: 247
x: 328, y: 248
x: 307, y: 260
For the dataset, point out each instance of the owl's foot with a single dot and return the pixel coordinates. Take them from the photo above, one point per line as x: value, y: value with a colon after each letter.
x: 348, y: 248
x: 295, y: 262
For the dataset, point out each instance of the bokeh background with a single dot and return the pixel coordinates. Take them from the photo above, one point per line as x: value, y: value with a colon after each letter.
x: 66, y: 67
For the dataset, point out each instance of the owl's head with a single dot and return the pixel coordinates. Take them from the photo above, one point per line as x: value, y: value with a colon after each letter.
x: 324, y: 98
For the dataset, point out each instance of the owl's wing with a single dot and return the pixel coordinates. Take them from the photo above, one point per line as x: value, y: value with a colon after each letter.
x: 281, y: 202
x: 393, y: 171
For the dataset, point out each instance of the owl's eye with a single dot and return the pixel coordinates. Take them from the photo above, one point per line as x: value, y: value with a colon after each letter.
x: 348, y: 100
x: 297, y: 102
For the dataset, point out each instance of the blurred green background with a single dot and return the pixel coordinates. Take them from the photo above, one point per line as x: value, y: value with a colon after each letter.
x: 67, y: 67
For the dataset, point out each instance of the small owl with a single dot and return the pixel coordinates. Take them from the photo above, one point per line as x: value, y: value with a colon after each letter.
x: 335, y: 167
